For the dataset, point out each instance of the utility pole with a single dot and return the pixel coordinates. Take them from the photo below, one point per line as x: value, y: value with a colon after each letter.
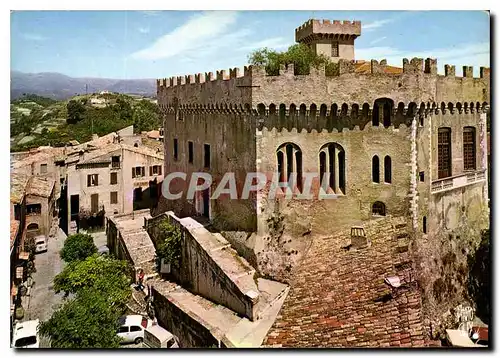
x: 92, y: 119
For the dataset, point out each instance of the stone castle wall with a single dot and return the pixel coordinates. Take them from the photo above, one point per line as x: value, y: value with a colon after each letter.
x: 231, y: 137
x: 418, y: 83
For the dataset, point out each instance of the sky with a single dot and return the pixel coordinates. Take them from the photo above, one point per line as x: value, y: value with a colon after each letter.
x: 157, y: 44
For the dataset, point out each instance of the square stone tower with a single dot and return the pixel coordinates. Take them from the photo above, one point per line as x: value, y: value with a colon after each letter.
x: 334, y: 39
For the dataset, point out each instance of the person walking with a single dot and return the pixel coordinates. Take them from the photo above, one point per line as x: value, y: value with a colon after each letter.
x: 141, y: 279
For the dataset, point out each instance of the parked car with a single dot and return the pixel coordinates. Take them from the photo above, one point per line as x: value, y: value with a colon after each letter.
x: 41, y: 244
x: 158, y: 337
x: 26, y: 334
x: 132, y: 328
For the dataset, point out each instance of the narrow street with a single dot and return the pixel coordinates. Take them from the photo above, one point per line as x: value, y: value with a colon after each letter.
x: 43, y: 301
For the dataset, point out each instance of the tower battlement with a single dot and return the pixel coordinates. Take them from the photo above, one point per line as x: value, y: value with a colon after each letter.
x: 417, y: 80
x: 326, y: 28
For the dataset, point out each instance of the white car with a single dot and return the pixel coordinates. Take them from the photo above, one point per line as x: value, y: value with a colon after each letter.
x: 158, y: 337
x: 132, y: 328
x: 26, y: 334
x: 41, y: 244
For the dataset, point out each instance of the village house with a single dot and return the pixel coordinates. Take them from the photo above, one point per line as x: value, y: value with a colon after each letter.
x: 18, y: 256
x: 40, y: 205
x: 117, y: 175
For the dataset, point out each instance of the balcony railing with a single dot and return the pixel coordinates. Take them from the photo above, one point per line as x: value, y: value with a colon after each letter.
x: 457, y: 181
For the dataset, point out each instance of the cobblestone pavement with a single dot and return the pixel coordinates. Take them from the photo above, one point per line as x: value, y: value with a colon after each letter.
x: 99, y: 238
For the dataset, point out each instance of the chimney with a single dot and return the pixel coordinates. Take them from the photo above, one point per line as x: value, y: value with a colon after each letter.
x: 358, y: 238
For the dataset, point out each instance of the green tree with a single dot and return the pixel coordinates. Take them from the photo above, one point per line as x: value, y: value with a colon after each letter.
x: 124, y: 109
x: 104, y: 274
x: 146, y: 116
x: 86, y: 321
x: 78, y: 247
x: 300, y: 55
x: 479, y: 277
x: 170, y: 243
x: 76, y: 111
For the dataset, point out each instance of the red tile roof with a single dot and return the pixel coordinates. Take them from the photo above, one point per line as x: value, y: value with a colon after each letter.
x: 335, y: 296
x: 365, y: 67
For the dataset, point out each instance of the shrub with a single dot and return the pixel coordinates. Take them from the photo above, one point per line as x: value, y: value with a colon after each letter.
x: 170, y: 243
x: 78, y: 247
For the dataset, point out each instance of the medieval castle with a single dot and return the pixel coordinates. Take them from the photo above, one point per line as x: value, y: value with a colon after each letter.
x: 390, y: 142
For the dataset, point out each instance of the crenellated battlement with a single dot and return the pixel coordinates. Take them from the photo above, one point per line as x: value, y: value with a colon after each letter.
x: 349, y: 82
x: 327, y: 28
x: 414, y: 66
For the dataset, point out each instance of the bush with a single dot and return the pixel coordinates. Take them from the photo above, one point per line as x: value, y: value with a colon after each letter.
x: 479, y: 277
x: 170, y: 245
x: 78, y: 247
x: 300, y: 55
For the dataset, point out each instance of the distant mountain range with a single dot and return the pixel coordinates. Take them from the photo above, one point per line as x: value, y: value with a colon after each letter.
x: 59, y: 86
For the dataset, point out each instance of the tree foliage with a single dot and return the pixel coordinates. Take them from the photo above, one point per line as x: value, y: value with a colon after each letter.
x: 78, y: 247
x: 84, y: 120
x: 86, y: 321
x: 170, y: 243
x: 76, y: 111
x: 300, y: 55
x: 479, y: 277
x: 102, y: 273
x: 28, y: 97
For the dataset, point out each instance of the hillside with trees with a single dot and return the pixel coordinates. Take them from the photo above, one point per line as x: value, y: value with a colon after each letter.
x: 37, y: 121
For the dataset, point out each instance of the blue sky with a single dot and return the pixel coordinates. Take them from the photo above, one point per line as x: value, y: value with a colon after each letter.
x: 154, y: 44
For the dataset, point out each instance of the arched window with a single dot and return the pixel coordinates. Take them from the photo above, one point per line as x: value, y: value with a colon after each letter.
x: 378, y: 208
x: 387, y: 169
x: 322, y: 110
x: 382, y: 109
x: 332, y: 168
x: 32, y: 227
x: 289, y: 157
x: 375, y: 169
x: 282, y: 111
x: 424, y: 225
x: 302, y: 110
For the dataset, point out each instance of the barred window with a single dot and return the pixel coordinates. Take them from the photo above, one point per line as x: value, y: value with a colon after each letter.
x: 444, y: 152
x: 335, y: 49
x: 469, y: 142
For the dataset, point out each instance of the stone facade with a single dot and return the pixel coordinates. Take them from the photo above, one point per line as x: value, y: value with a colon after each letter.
x: 113, y: 166
x: 248, y: 117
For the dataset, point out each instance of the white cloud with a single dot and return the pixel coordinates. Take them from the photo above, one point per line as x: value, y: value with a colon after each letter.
x: 375, y: 24
x: 34, y: 37
x: 143, y: 30
x: 194, y: 34
x: 472, y: 54
x: 378, y: 40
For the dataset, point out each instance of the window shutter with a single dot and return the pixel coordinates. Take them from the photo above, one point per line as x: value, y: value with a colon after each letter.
x: 159, y: 168
x: 88, y: 180
x: 96, y: 179
x: 150, y: 171
x: 133, y: 172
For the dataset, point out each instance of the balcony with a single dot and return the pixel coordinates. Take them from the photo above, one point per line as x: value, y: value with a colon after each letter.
x: 457, y: 181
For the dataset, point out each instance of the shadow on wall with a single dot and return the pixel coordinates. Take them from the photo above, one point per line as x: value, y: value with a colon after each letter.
x: 149, y: 198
